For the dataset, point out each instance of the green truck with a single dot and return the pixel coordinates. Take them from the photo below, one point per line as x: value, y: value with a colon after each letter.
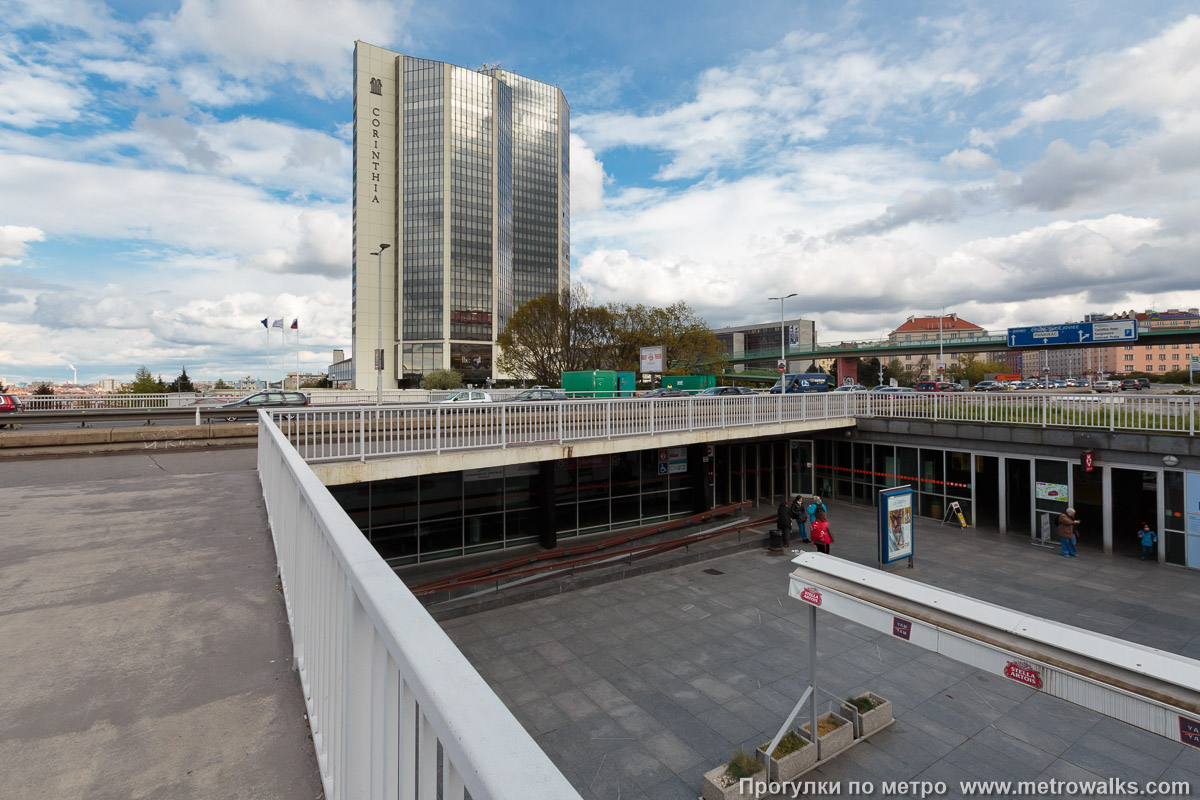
x: 691, y: 384
x: 599, y: 383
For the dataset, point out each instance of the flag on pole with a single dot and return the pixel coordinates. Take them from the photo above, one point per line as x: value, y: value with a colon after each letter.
x: 277, y: 323
x: 264, y: 322
x: 296, y: 324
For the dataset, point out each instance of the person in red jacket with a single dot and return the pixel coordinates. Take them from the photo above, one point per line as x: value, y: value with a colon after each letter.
x: 820, y: 535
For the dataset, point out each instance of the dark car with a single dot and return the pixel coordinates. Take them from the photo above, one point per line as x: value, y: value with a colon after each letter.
x: 1130, y: 383
x: 533, y: 395
x: 724, y: 390
x: 10, y: 404
x: 272, y: 398
x: 1144, y: 383
x: 664, y: 391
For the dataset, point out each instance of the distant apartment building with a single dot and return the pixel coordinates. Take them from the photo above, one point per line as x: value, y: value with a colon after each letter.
x: 1153, y: 357
x: 930, y: 331
x: 110, y: 384
x: 757, y: 347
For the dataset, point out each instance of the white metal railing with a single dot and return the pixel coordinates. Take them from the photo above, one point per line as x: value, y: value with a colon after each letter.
x: 1115, y: 412
x: 326, y: 434
x: 395, y: 708
x: 82, y: 402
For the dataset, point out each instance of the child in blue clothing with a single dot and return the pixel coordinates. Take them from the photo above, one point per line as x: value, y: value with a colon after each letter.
x: 1149, y: 540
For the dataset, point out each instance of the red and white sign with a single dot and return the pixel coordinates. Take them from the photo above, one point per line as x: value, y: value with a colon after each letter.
x: 1023, y: 672
x: 652, y: 359
x: 811, y: 595
x: 1089, y: 463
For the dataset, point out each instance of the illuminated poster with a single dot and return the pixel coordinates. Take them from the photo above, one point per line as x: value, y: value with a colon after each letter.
x: 895, y: 524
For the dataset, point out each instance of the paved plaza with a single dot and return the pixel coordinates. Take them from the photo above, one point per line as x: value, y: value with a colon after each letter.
x: 637, y: 687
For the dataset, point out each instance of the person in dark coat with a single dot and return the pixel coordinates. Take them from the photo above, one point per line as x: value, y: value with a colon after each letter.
x: 800, y: 515
x: 783, y: 521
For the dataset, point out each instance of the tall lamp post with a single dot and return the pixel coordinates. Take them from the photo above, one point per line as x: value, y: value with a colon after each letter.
x: 782, y: 342
x: 379, y: 321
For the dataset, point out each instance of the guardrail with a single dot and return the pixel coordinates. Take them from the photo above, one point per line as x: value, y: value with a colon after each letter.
x: 326, y: 434
x: 1148, y: 414
x: 395, y: 709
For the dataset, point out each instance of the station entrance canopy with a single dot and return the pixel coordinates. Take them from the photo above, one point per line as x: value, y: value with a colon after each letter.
x: 1143, y: 686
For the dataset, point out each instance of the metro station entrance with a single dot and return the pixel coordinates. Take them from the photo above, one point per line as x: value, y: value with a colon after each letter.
x: 1135, y: 500
x: 1018, y: 497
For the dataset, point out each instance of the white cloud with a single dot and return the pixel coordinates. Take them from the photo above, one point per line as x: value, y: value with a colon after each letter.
x: 587, y: 179
x: 260, y: 41
x: 37, y: 95
x: 14, y: 242
x: 1158, y: 78
x: 196, y: 212
x: 970, y: 160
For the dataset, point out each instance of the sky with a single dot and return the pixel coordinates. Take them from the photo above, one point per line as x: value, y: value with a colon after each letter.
x: 173, y: 172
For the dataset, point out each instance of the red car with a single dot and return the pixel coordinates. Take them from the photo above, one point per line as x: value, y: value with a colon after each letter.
x: 938, y: 386
x: 10, y: 404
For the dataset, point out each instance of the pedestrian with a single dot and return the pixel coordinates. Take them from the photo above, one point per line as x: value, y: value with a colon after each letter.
x: 799, y: 514
x: 783, y: 521
x: 815, y: 506
x: 1067, y: 531
x: 1149, y: 540
x: 821, y: 537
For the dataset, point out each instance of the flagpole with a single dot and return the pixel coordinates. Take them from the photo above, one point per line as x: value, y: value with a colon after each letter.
x: 282, y: 356
x: 267, y: 381
x: 297, y: 356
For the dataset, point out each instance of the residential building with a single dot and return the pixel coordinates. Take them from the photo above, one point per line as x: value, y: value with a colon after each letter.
x: 465, y: 176
x: 930, y: 331
x: 1156, y: 358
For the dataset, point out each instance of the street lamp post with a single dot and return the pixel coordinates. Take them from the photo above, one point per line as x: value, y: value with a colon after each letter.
x: 782, y: 342
x: 379, y: 330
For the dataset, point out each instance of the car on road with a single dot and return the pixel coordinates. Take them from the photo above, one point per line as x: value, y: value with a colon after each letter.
x: 663, y: 391
x: 716, y: 391
x: 1028, y: 385
x: 269, y: 399
x: 1107, y: 386
x: 938, y: 386
x: 468, y: 396
x: 855, y: 387
x: 901, y: 390
x: 534, y: 395
x: 988, y: 386
x: 10, y: 404
x: 1144, y: 383
x: 1131, y: 383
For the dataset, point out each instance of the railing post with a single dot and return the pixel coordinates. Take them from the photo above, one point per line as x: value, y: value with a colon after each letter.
x: 503, y: 426
x: 779, y: 413
x: 560, y: 421
x: 1045, y: 409
x: 1191, y: 415
x: 652, y: 416
x: 362, y: 434
x: 608, y: 421
x: 437, y: 429
x: 691, y: 413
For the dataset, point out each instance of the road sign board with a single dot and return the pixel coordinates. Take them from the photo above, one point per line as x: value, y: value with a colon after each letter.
x: 782, y: 365
x: 1075, y: 333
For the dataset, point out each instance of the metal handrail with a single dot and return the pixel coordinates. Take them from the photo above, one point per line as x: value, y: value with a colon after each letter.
x: 392, y: 702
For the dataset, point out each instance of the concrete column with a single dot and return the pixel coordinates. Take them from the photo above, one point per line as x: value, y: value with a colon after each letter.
x: 1003, y: 489
x: 699, y: 466
x: 1160, y: 522
x: 1107, y: 502
x: 547, y: 519
x: 847, y: 367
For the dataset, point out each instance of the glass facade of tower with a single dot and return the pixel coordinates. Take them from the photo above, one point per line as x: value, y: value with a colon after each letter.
x: 480, y: 214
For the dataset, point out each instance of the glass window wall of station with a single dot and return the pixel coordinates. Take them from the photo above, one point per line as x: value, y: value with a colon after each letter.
x: 455, y: 513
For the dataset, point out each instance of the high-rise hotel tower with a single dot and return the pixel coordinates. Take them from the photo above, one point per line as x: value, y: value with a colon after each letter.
x: 464, y: 175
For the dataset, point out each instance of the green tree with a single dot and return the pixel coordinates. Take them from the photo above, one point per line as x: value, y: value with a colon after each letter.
x: 43, y: 388
x: 689, y: 345
x: 322, y: 382
x: 442, y: 379
x: 182, y: 384
x: 220, y: 385
x: 145, y: 383
x: 553, y: 334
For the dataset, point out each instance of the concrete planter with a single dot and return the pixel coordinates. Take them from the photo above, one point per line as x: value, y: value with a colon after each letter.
x: 867, y: 723
x: 793, y: 764
x: 835, y: 740
x: 714, y: 788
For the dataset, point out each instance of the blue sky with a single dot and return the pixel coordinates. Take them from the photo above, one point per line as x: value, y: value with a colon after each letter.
x: 171, y: 173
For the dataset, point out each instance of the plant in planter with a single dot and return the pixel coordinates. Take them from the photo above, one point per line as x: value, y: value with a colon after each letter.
x: 834, y: 733
x: 869, y: 711
x: 725, y: 782
x: 793, y: 755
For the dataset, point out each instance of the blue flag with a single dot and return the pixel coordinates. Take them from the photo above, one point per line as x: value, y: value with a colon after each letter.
x: 265, y: 325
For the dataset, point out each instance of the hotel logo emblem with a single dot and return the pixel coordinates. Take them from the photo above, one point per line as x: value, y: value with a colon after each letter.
x: 376, y: 86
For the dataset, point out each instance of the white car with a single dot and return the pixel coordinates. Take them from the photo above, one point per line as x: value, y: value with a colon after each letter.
x: 850, y: 388
x: 1105, y: 386
x: 469, y: 396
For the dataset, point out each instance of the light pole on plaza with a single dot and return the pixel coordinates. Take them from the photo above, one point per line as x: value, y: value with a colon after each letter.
x: 782, y: 342
x: 379, y: 321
